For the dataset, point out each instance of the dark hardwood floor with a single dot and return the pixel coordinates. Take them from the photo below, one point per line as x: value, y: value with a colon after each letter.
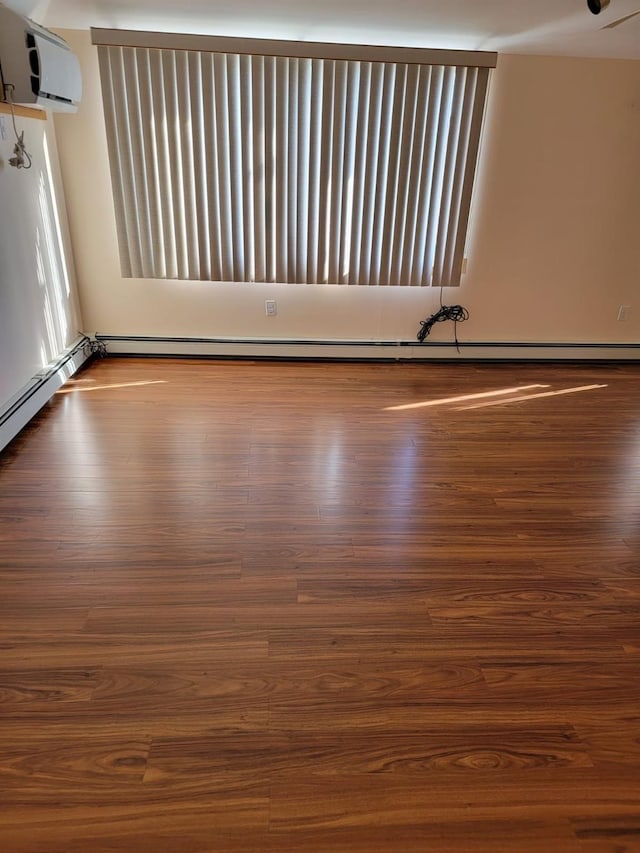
x: 267, y: 607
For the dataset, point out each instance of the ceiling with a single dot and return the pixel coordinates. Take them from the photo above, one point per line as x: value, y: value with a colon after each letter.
x: 563, y: 27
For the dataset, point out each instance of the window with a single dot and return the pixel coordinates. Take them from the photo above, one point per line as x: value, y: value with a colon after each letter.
x: 236, y: 160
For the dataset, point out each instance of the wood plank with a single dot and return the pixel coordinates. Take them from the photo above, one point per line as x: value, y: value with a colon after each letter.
x: 347, y: 752
x: 22, y: 112
x: 321, y: 802
x: 459, y: 834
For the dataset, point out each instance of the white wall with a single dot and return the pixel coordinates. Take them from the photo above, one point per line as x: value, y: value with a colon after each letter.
x: 553, y: 247
x: 39, y: 316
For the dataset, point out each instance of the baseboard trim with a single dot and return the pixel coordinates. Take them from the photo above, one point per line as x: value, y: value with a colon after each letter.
x: 17, y: 413
x: 136, y: 345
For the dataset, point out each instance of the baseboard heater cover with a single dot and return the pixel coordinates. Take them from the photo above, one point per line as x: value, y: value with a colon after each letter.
x: 364, y: 350
x: 17, y: 413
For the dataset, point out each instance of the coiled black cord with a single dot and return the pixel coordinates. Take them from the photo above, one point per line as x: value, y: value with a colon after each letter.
x: 447, y: 312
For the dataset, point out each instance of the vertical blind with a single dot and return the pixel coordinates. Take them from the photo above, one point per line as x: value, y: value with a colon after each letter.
x: 248, y: 167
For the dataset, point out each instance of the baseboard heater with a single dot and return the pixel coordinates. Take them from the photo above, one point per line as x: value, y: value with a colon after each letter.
x: 17, y: 413
x: 363, y: 350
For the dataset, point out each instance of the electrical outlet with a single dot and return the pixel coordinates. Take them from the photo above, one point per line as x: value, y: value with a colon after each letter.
x: 270, y: 307
x: 624, y: 313
x: 3, y: 128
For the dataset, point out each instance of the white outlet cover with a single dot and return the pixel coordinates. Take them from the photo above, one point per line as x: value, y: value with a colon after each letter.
x: 3, y: 128
x: 624, y: 313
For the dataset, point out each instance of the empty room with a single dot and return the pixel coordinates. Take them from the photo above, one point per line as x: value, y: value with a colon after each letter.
x: 319, y: 426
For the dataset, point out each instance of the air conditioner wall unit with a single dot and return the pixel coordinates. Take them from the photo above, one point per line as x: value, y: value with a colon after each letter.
x: 38, y: 64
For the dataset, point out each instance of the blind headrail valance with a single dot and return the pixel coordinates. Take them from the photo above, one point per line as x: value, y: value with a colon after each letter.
x: 293, y: 49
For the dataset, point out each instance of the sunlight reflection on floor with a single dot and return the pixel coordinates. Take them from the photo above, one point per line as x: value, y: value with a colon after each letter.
x: 532, y: 397
x: 463, y: 398
x: 70, y: 388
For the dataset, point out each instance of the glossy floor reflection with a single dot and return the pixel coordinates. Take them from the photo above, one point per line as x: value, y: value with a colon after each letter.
x: 293, y: 607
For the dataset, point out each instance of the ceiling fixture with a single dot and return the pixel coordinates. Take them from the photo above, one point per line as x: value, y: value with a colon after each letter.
x: 597, y: 6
